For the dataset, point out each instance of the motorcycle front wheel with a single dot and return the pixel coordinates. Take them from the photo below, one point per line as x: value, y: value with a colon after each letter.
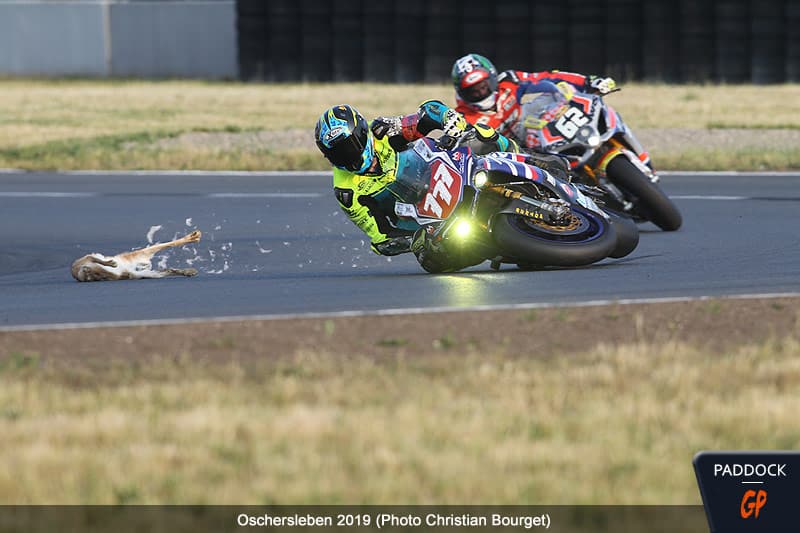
x: 648, y: 199
x: 587, y: 238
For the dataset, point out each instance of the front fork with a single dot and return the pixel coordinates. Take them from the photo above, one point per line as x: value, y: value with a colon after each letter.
x: 597, y: 170
x: 498, y: 199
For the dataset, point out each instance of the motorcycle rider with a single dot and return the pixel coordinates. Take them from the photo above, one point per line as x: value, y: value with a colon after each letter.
x: 364, y: 157
x: 486, y: 97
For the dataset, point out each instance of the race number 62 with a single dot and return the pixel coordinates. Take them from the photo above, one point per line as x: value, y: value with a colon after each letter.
x: 570, y: 121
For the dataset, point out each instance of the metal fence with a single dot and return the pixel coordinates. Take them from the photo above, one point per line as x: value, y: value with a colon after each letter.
x: 418, y: 40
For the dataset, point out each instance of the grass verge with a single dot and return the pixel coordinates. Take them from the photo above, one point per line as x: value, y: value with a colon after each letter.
x: 79, y: 124
x: 408, y: 413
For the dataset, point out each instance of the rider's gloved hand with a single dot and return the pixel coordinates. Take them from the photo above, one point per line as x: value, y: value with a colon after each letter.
x: 453, y: 123
x: 445, y: 142
x: 387, y: 126
x: 602, y: 85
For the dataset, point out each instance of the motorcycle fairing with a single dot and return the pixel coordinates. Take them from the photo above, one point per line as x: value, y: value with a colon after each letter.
x: 458, y: 158
x: 511, y: 163
x: 444, y: 193
x: 449, y: 172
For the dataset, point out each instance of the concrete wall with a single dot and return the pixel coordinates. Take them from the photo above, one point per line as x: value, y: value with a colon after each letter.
x: 52, y: 38
x: 184, y: 38
x: 174, y: 39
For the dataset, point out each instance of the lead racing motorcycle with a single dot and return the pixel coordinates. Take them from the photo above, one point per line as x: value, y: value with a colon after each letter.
x: 499, y: 208
x: 599, y: 146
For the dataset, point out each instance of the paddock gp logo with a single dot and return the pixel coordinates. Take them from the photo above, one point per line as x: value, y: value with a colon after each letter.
x: 752, y: 500
x: 749, y: 491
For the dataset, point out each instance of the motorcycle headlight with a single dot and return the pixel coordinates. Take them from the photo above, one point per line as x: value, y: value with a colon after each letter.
x: 593, y: 141
x: 481, y: 178
x: 462, y: 228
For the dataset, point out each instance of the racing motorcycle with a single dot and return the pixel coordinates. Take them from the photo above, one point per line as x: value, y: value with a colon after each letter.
x: 503, y: 209
x: 559, y: 120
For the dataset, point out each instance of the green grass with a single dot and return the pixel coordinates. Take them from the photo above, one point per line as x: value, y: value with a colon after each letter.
x: 82, y: 124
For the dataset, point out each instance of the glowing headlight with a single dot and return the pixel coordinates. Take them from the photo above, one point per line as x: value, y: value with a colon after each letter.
x: 462, y: 228
x: 481, y: 177
x: 593, y: 140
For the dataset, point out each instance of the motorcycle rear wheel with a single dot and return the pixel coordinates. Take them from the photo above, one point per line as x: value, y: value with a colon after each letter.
x: 588, y: 239
x: 648, y: 198
x: 627, y: 235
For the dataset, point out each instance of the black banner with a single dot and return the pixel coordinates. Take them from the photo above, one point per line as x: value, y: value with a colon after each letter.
x: 217, y: 519
x: 747, y: 492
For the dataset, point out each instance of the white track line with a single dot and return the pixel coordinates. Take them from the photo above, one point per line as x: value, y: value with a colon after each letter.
x: 700, y: 197
x: 47, y: 194
x: 391, y: 312
x: 786, y: 173
x: 209, y: 173
x: 210, y: 195
x: 264, y: 195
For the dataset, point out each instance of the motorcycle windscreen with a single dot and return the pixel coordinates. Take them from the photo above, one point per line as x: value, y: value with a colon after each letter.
x: 412, y: 178
x: 540, y: 104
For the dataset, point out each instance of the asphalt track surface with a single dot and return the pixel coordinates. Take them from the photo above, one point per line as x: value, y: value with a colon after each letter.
x: 277, y: 244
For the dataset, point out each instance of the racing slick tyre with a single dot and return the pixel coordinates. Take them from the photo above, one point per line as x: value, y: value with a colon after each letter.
x: 586, y: 239
x: 627, y: 235
x: 648, y: 198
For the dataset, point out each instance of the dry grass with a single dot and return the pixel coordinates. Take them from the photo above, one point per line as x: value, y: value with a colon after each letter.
x: 34, y: 112
x: 611, y: 425
x: 115, y: 124
x: 708, y: 106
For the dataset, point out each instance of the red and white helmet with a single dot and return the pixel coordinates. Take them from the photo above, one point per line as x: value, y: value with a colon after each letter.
x: 475, y: 81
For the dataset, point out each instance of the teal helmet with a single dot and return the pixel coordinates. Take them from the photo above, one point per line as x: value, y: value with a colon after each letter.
x: 343, y: 137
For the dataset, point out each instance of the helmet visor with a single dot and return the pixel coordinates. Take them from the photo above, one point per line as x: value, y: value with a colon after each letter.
x: 477, y: 92
x: 347, y: 153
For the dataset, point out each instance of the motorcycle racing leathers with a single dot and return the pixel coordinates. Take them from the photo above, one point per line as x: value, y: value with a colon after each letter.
x: 511, y: 85
x: 364, y: 197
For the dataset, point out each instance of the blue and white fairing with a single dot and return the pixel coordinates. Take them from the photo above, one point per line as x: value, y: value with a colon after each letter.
x: 512, y: 163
